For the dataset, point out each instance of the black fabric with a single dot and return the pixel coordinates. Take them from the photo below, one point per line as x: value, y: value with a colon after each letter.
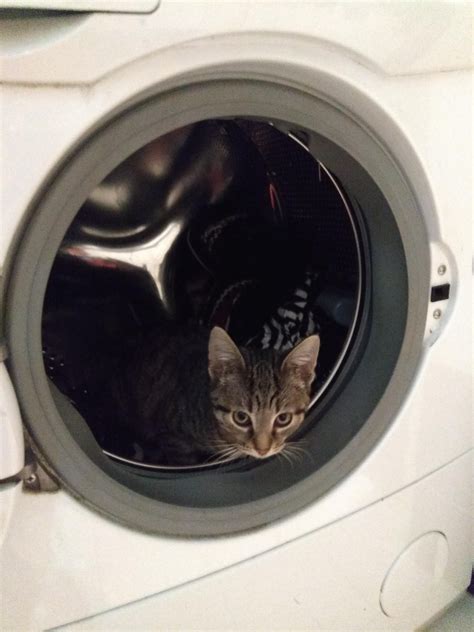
x: 92, y: 307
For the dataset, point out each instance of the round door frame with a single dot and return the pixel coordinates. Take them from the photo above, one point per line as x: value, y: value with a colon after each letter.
x: 400, y: 257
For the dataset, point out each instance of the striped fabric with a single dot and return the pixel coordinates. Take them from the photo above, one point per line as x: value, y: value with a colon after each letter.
x: 292, y: 321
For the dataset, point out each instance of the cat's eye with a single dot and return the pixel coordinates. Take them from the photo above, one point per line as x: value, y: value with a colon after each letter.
x: 241, y: 418
x: 283, y: 419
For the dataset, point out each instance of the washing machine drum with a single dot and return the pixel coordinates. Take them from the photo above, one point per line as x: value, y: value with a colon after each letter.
x: 227, y: 223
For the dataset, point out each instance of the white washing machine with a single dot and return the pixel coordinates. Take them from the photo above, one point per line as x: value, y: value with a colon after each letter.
x: 373, y: 531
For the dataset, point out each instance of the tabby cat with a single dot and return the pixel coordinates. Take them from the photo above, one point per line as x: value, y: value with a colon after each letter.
x: 188, y: 398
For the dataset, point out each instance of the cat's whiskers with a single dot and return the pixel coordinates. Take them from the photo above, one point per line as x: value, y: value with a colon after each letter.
x: 300, y: 446
x: 226, y: 453
x: 305, y: 453
x: 285, y: 457
x: 232, y: 458
x: 229, y: 456
x: 219, y: 458
x: 228, y: 448
x: 224, y: 461
x: 295, y: 452
x: 219, y: 446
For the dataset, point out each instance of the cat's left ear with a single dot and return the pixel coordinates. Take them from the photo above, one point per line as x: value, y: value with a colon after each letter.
x: 301, y: 361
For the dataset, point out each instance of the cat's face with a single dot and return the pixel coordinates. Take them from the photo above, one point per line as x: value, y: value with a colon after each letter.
x: 259, y: 399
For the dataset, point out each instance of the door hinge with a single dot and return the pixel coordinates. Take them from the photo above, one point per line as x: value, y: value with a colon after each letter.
x: 34, y: 478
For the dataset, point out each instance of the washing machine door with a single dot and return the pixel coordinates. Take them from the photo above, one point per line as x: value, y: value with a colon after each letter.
x: 12, y: 452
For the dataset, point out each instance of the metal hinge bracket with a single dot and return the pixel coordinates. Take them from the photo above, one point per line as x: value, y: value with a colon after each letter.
x: 34, y: 478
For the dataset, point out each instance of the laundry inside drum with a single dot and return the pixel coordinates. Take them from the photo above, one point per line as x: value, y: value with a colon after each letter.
x: 229, y: 223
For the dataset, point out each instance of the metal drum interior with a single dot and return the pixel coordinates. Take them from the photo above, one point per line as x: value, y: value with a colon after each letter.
x: 226, y: 222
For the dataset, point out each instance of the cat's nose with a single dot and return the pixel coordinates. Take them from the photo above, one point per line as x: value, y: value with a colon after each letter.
x: 262, y: 444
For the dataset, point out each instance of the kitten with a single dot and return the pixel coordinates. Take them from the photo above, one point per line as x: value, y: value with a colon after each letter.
x: 189, y: 398
x: 259, y: 398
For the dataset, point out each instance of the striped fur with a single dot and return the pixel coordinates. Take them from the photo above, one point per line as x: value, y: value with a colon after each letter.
x: 174, y: 397
x: 263, y: 385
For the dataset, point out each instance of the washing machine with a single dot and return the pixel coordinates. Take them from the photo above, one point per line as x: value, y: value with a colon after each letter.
x: 343, y: 128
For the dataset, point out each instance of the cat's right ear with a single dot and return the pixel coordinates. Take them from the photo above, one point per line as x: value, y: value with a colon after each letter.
x: 301, y: 361
x: 224, y: 356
